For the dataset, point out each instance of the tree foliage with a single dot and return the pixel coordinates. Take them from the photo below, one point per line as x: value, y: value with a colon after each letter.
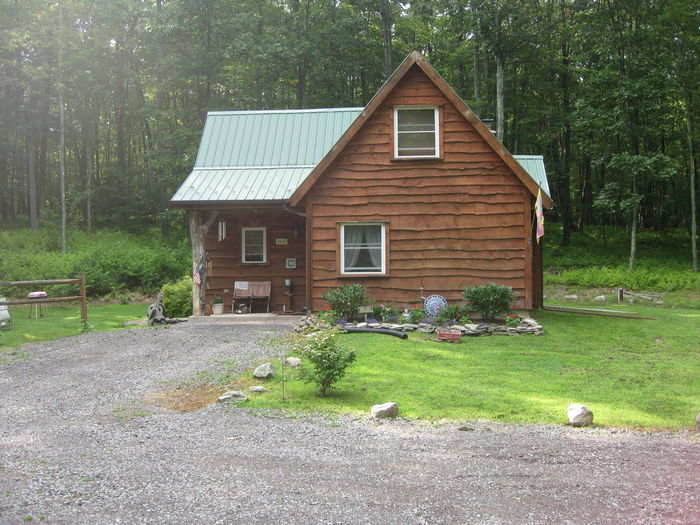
x: 591, y: 85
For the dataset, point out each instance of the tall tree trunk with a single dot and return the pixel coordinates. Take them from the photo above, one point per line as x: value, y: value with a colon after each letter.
x: 565, y: 173
x: 62, y: 132
x: 693, y: 205
x: 633, y: 227
x: 88, y: 184
x: 500, y: 112
x: 31, y: 174
x: 385, y: 13
x: 198, y: 234
x: 477, y: 82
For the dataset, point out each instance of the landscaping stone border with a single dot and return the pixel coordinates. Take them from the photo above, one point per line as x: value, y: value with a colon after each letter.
x: 527, y: 326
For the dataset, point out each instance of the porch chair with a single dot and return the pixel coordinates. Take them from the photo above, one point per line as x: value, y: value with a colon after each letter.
x: 5, y: 319
x: 249, y: 291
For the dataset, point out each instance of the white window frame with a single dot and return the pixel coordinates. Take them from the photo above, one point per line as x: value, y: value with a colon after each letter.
x: 382, y: 270
x: 244, y: 231
x: 436, y: 114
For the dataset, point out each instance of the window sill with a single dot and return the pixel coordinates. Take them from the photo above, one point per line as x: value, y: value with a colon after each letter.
x: 404, y: 159
x: 361, y: 275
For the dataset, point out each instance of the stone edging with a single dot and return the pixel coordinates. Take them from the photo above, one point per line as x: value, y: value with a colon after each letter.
x: 527, y: 326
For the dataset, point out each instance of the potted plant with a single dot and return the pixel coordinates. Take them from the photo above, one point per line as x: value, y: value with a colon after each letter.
x: 217, y: 305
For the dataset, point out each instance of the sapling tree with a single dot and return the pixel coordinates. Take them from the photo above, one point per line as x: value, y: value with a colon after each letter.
x: 328, y: 357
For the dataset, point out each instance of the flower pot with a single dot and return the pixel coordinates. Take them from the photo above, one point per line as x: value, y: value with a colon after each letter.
x: 449, y: 334
x: 217, y: 309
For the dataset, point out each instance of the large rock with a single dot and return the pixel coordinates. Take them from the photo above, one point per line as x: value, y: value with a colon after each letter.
x: 385, y: 410
x: 579, y: 415
x: 292, y: 362
x: 572, y: 297
x: 264, y: 371
x: 234, y: 395
x: 600, y: 298
x: 257, y: 388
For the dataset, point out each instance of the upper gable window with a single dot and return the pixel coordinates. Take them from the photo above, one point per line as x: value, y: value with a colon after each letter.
x: 416, y: 132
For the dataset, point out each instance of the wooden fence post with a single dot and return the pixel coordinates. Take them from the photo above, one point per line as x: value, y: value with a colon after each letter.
x: 83, y: 301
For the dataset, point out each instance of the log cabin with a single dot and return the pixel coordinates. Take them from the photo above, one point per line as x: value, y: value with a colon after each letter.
x: 409, y: 196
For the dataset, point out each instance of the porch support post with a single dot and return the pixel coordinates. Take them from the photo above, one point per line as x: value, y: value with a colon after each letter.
x: 198, y: 234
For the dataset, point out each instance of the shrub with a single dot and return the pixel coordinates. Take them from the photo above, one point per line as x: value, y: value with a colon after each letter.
x: 384, y: 312
x: 326, y: 354
x: 513, y: 321
x: 346, y: 301
x: 489, y: 300
x: 452, y: 314
x: 327, y: 316
x: 113, y: 262
x: 178, y: 298
x: 415, y: 314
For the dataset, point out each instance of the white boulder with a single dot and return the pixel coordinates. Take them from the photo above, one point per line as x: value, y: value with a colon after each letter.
x: 292, y: 362
x: 234, y: 395
x: 264, y: 371
x: 385, y: 410
x: 579, y: 415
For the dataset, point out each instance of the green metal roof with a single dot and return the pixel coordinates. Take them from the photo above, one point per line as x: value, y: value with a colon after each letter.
x: 266, y: 155
x: 261, y: 155
x: 534, y: 165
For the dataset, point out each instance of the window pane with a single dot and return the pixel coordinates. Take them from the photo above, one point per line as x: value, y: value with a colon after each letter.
x: 414, y: 144
x: 254, y: 245
x: 416, y: 131
x: 416, y: 119
x: 362, y: 248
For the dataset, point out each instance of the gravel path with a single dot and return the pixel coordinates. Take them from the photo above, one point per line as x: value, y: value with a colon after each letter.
x: 80, y: 445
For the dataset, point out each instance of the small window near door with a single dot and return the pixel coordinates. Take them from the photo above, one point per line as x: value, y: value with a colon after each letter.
x: 254, y: 245
x: 416, y: 133
x: 363, y: 248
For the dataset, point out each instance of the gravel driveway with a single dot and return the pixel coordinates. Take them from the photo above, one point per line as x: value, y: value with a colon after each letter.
x: 79, y: 444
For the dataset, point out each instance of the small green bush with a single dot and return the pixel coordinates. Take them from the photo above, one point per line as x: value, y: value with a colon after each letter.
x: 384, y: 312
x: 326, y: 354
x: 346, y: 301
x: 489, y: 300
x: 457, y: 314
x: 178, y: 298
x: 416, y: 315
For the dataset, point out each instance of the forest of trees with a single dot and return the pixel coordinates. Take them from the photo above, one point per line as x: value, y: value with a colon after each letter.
x: 107, y: 98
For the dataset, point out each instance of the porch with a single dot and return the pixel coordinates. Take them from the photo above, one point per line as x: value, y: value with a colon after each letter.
x: 262, y: 244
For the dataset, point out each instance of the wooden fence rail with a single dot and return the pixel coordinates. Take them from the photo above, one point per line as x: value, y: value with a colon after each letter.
x: 82, y: 297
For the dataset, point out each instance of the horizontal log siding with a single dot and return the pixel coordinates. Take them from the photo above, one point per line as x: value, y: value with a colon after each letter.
x: 225, y: 257
x: 453, y: 222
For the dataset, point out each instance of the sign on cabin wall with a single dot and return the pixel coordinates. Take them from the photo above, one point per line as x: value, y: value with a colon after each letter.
x: 281, y: 242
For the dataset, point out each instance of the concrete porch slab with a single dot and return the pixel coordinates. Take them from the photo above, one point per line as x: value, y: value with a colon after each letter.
x: 238, y: 319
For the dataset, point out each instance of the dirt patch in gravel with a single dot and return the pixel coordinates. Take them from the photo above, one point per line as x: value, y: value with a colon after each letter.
x: 87, y: 437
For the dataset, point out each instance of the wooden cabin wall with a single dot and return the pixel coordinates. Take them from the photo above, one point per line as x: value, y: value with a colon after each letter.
x: 226, y: 259
x: 453, y: 222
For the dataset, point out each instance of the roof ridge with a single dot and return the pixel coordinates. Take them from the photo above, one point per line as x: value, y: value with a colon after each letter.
x: 279, y: 111
x: 268, y: 167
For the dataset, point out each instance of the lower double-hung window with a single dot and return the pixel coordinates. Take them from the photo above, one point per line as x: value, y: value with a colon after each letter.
x: 253, y: 245
x: 363, y: 248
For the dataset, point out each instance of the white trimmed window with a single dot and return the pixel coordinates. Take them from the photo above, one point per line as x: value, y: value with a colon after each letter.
x: 254, y: 245
x: 363, y: 248
x: 416, y: 132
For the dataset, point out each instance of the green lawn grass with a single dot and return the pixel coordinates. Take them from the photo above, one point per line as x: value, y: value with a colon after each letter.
x: 62, y: 320
x: 630, y: 373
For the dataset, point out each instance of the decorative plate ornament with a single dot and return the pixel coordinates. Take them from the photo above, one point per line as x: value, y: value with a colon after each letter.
x: 433, y: 304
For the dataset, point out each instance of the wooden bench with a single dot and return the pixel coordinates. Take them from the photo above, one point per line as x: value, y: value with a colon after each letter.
x: 249, y: 291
